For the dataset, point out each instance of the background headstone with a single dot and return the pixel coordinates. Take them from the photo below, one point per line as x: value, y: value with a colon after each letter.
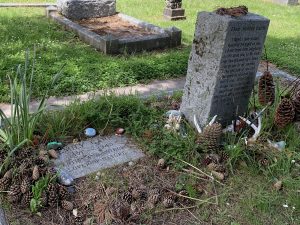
x: 83, y: 158
x: 287, y: 2
x: 222, y: 66
x: 85, y: 9
x: 173, y: 10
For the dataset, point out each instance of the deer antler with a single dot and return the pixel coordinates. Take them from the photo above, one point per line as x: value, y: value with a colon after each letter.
x: 209, y: 124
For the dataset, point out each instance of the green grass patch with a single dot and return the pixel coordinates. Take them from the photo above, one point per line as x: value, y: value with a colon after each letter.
x: 88, y: 70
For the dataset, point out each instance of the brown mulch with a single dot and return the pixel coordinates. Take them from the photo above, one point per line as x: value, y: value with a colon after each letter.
x: 114, y: 25
x: 91, y: 197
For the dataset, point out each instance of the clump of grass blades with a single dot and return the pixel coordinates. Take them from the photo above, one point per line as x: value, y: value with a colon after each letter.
x: 17, y: 130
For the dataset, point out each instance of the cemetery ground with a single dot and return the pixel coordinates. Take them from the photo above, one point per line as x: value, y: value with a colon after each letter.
x: 248, y: 194
x: 87, y: 70
x: 181, y: 180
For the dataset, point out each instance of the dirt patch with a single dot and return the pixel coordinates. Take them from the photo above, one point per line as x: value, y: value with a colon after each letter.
x: 114, y: 25
x: 96, y: 193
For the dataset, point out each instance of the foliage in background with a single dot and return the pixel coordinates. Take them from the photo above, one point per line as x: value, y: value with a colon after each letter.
x: 18, y: 129
x: 88, y: 70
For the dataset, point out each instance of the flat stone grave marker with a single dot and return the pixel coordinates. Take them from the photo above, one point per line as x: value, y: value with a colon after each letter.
x: 100, y: 152
x: 222, y: 66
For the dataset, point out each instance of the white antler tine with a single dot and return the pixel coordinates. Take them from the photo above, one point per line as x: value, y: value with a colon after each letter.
x: 213, y: 120
x: 248, y: 122
x: 258, y: 128
x: 197, y: 125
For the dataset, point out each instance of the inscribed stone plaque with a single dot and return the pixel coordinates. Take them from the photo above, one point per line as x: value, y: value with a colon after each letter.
x: 222, y: 66
x: 97, y: 153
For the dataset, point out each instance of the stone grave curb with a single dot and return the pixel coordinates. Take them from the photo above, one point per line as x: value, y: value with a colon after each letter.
x: 170, y: 37
x: 15, y: 5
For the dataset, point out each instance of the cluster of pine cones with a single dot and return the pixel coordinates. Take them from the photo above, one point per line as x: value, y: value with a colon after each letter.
x: 216, y: 164
x: 26, y: 170
x: 288, y: 109
x: 130, y: 204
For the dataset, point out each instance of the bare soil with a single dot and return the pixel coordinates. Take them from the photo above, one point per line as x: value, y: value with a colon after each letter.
x: 114, y: 25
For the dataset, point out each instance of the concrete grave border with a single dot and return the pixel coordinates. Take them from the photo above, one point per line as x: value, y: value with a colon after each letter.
x: 15, y: 5
x: 165, y: 38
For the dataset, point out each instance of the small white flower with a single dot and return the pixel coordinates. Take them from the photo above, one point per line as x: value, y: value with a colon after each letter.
x: 285, y: 205
x: 293, y: 161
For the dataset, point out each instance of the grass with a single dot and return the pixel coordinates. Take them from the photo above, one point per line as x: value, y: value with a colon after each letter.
x: 87, y: 69
x: 246, y: 198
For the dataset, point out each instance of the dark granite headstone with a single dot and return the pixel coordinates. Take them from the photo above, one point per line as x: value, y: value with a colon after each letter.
x: 222, y: 66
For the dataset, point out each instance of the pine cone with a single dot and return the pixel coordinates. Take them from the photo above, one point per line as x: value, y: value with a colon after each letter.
x: 44, y: 199
x: 211, y: 137
x: 8, y: 174
x: 264, y: 162
x: 35, y: 173
x: 127, y: 196
x: 26, y: 198
x: 67, y: 205
x: 297, y: 106
x: 24, y: 154
x: 266, y: 89
x: 52, y: 194
x: 285, y: 113
x: 224, y: 156
x: 4, y: 183
x: 154, y: 196
x: 119, y: 210
x: 216, y: 167
x: 2, y: 156
x: 168, y: 200
x: 138, y: 193
x: 14, y: 193
x: 25, y: 165
x: 41, y: 160
x: 25, y: 185
x: 63, y: 192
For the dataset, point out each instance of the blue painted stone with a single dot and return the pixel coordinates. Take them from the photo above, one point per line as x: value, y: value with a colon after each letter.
x: 90, y: 132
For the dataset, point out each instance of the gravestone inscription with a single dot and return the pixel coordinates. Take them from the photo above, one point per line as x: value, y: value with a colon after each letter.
x: 222, y: 66
x: 97, y: 153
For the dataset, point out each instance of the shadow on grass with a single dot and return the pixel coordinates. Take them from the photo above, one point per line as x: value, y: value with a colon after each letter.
x: 85, y: 68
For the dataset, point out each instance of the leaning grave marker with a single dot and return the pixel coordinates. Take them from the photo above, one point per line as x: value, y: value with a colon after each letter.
x: 222, y: 66
x: 83, y: 158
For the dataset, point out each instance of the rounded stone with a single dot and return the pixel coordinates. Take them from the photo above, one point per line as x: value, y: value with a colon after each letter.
x: 90, y: 132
